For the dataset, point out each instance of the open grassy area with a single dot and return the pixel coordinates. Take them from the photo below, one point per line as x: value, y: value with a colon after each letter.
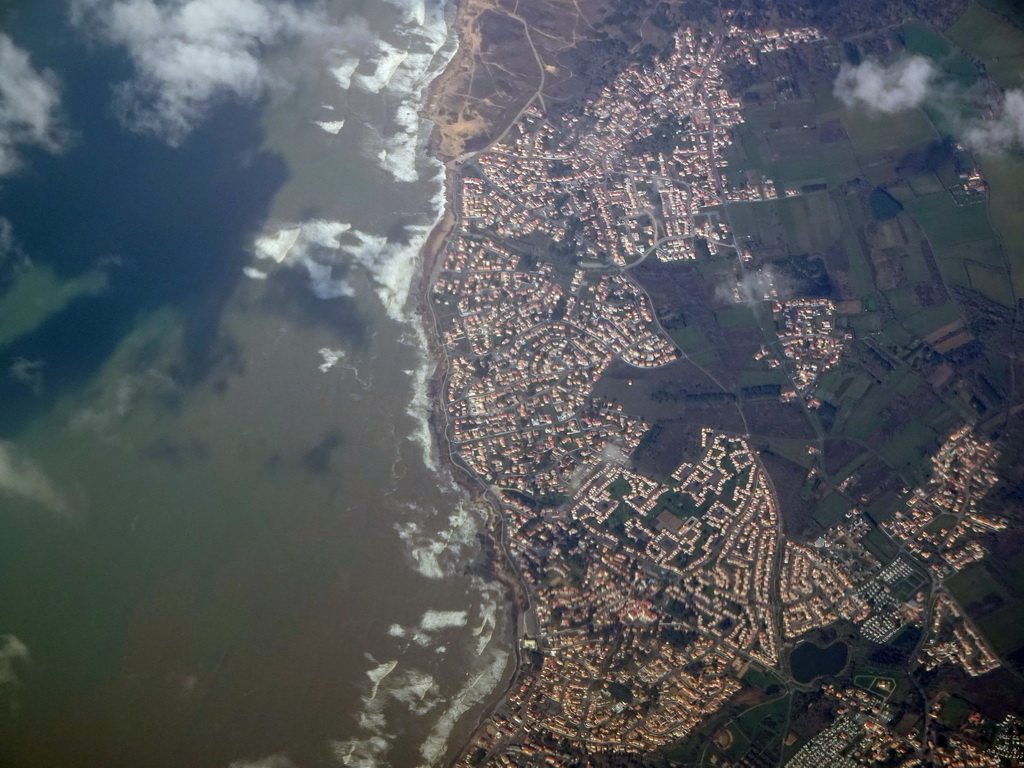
x: 953, y: 711
x: 809, y: 222
x: 991, y: 282
x: 1012, y: 10
x: 764, y: 724
x: 876, y: 137
x: 831, y: 510
x: 1005, y: 176
x: 882, y: 685
x: 975, y: 585
x: 997, y: 43
x: 734, y: 317
x: 1003, y: 627
x: 928, y: 319
x: 921, y: 40
x: 947, y: 224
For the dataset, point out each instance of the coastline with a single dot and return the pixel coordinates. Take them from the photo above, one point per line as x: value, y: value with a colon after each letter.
x: 494, y: 556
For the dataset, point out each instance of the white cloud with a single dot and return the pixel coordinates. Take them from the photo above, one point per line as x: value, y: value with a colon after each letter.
x: 21, y: 478
x: 190, y: 54
x: 29, y: 104
x: 1003, y: 132
x: 904, y: 85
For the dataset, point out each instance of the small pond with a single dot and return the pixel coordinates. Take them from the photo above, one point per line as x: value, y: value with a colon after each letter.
x: 809, y: 661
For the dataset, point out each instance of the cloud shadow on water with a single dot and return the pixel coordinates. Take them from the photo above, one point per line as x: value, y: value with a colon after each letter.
x: 288, y: 293
x: 173, y: 226
x: 317, y: 460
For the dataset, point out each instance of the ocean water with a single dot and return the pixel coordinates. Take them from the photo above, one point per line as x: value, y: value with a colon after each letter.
x: 225, y: 539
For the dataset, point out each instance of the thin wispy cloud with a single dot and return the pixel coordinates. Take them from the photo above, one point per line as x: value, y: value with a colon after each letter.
x: 189, y: 55
x: 12, y: 653
x: 23, y: 479
x: 1003, y: 132
x: 29, y: 107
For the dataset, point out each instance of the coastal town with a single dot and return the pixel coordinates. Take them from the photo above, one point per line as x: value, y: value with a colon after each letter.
x: 650, y: 602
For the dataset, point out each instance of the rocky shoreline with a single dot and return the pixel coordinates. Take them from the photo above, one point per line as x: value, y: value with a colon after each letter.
x: 494, y: 560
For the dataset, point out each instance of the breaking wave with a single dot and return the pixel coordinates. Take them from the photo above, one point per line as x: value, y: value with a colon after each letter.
x: 401, y: 68
x: 476, y: 689
x: 436, y: 553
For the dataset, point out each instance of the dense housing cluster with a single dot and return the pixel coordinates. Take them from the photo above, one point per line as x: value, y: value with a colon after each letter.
x: 611, y: 638
x: 650, y: 602
x: 942, y: 519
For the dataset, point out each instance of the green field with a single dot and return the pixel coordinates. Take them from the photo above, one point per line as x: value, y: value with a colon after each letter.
x: 1011, y: 9
x: 735, y: 317
x: 805, y: 223
x: 991, y: 282
x: 764, y: 725
x: 997, y: 43
x: 953, y: 711
x: 928, y: 319
x: 695, y: 344
x: 975, y: 584
x: 1005, y: 176
x: 947, y: 224
x: 882, y: 685
x: 831, y: 510
x: 1003, y: 627
x: 921, y: 40
x: 738, y: 741
x: 809, y: 223
x: 876, y: 137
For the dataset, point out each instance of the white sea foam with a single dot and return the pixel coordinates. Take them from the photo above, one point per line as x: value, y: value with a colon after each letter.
x: 403, y: 69
x: 433, y: 621
x: 377, y: 675
x: 392, y: 265
x: 419, y: 404
x: 473, y: 693
x: 270, y: 761
x: 361, y: 753
x: 332, y: 127
x: 437, y: 553
x: 484, y: 631
x: 323, y: 282
x: 417, y: 690
x: 324, y: 233
x: 386, y: 61
x: 292, y: 242
x: 343, y: 72
x: 331, y: 357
